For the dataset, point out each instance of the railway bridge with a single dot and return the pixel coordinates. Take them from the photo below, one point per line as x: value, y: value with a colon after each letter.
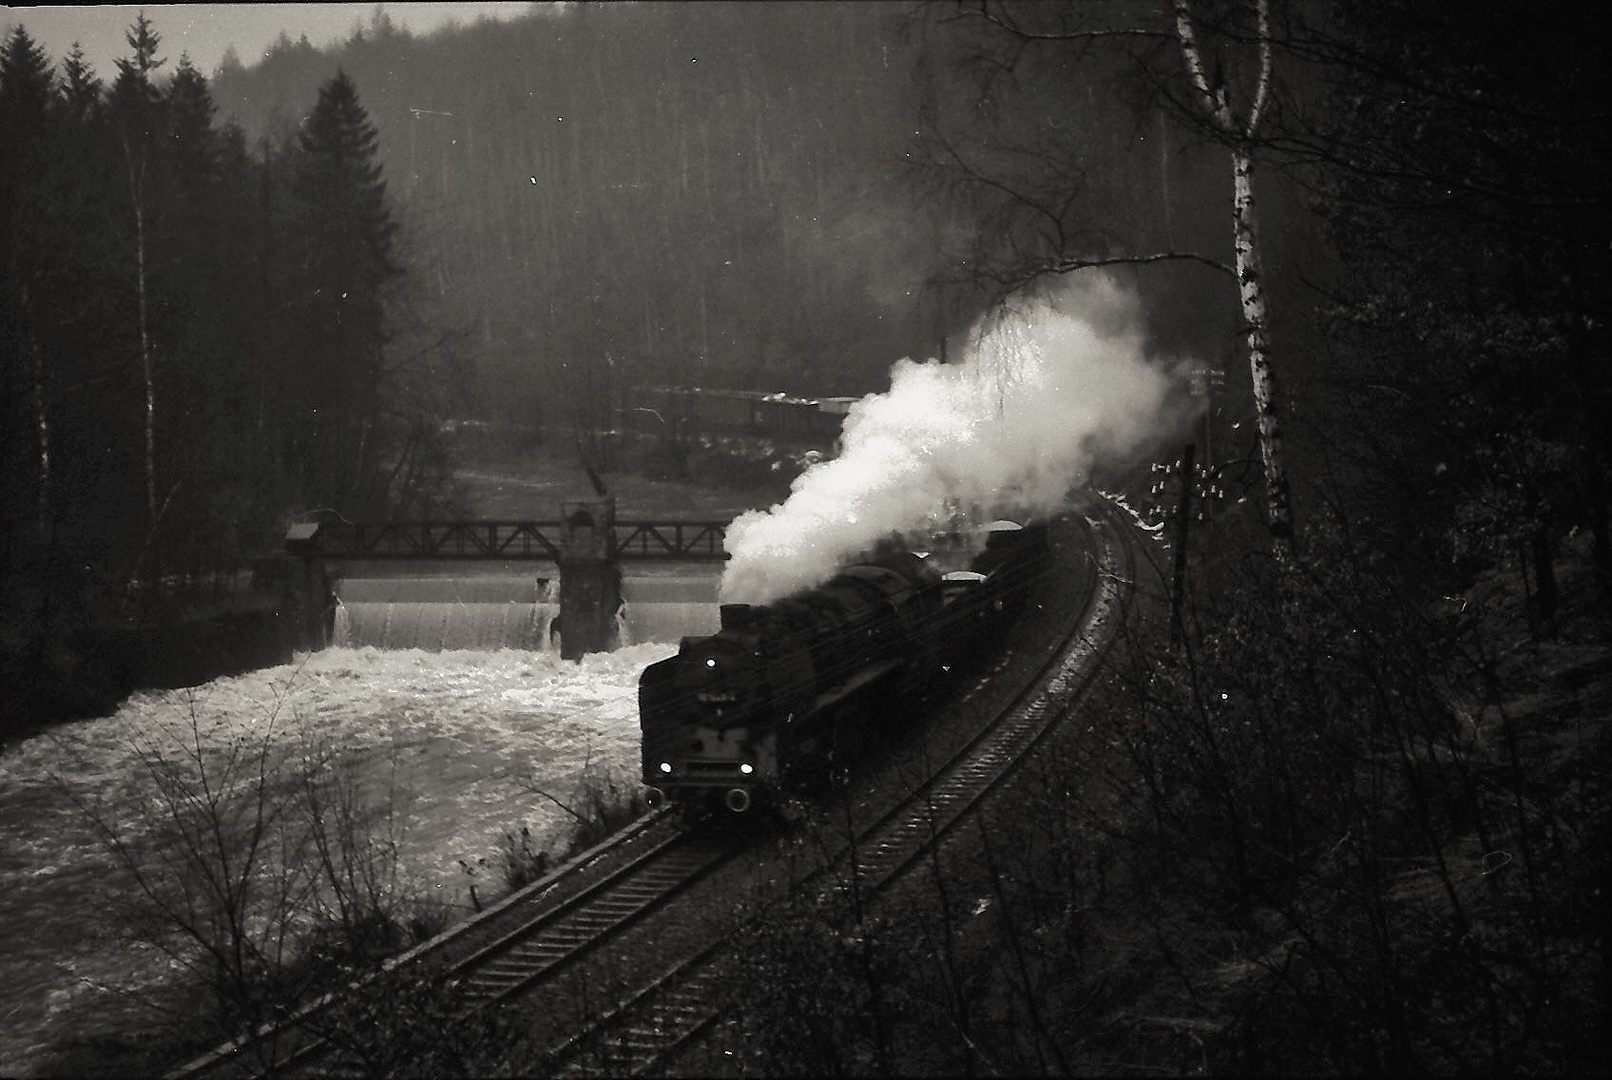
x: 686, y: 541
x: 586, y: 542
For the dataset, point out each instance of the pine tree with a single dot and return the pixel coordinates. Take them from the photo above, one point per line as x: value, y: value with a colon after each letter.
x: 193, y: 145
x: 202, y: 283
x: 346, y: 235
x: 25, y: 95
x: 81, y: 89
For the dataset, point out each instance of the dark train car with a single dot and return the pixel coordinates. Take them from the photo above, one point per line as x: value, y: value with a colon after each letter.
x: 981, y: 600
x: 796, y: 419
x: 746, y: 412
x: 788, y: 693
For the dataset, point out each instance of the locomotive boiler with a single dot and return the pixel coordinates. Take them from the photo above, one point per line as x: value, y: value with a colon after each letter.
x: 788, y: 693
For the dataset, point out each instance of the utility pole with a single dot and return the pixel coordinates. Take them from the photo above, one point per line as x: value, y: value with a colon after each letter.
x: 1183, y: 517
x: 1207, y: 383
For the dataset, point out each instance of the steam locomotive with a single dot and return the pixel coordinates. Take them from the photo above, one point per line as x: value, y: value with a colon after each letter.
x: 788, y: 694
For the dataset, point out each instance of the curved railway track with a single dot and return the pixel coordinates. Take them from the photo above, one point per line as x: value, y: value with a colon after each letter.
x: 521, y: 945
x: 646, y: 1032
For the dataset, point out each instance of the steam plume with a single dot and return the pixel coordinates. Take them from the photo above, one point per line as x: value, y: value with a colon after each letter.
x: 1045, y: 392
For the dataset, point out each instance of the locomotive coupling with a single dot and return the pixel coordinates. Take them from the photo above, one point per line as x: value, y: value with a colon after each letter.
x: 737, y: 800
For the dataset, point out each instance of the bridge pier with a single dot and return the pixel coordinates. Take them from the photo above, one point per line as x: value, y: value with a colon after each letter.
x: 311, y: 598
x: 590, y: 579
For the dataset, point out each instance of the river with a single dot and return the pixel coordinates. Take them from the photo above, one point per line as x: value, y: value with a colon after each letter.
x: 453, y: 747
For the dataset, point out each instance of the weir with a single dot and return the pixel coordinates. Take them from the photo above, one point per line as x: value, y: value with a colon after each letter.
x: 439, y: 614
x: 493, y: 609
x: 465, y: 586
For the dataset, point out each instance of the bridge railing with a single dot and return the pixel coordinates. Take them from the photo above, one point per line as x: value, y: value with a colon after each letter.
x: 531, y: 540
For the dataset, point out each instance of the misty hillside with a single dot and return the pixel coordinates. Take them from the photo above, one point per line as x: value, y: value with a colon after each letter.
x: 708, y: 191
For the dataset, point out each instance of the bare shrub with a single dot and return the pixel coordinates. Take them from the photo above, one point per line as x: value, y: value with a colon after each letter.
x: 261, y: 863
x: 600, y: 805
x: 413, y: 1024
x: 1353, y: 872
x: 522, y: 862
x: 814, y: 983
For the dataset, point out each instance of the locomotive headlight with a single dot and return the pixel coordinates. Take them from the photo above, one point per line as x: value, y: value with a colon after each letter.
x: 747, y: 768
x: 666, y: 766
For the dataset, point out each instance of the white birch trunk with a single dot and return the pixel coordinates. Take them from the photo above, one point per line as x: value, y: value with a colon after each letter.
x: 1279, y: 514
x: 1239, y: 136
x: 137, y: 198
x: 42, y: 433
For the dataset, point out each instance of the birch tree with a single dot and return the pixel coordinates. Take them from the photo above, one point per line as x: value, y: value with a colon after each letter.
x: 1007, y: 37
x: 135, y: 107
x: 1240, y: 135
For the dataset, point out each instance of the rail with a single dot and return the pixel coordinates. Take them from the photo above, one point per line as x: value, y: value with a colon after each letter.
x: 658, y: 1015
x: 646, y: 1030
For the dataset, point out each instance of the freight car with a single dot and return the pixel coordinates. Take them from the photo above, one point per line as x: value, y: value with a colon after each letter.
x: 743, y: 413
x: 788, y: 693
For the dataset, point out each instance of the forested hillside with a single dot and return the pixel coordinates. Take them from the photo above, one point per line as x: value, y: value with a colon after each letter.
x: 704, y: 194
x: 234, y: 302
x: 201, y: 345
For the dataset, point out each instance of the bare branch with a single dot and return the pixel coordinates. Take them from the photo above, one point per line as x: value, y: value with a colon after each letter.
x: 1262, y: 88
x: 1065, y: 266
x: 1003, y: 22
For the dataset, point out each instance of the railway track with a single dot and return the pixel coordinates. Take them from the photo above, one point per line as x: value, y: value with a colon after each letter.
x: 647, y: 1032
x: 523, y: 944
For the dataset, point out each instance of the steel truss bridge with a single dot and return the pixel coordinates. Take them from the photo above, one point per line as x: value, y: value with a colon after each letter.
x: 696, y: 541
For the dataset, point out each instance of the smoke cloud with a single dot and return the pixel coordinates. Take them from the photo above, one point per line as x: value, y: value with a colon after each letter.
x: 1046, y: 391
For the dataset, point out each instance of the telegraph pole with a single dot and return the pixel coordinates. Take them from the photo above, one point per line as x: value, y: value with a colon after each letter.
x: 1207, y: 383
x: 1183, y: 517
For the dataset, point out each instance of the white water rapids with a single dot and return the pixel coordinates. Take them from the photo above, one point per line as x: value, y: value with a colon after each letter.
x: 463, y: 737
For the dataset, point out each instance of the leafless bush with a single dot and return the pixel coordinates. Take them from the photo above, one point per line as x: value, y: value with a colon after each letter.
x: 601, y: 804
x: 1391, y: 885
x: 259, y: 861
x: 413, y: 1024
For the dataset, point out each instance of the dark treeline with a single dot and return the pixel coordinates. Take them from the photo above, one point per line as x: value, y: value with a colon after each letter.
x: 202, y: 340
x: 611, y: 195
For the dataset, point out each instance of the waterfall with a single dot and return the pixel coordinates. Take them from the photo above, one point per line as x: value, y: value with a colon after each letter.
x: 439, y: 613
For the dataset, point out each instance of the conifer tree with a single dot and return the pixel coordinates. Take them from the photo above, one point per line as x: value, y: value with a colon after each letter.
x: 345, y: 235
x: 193, y: 145
x: 136, y: 108
x: 25, y: 95
x: 81, y: 89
